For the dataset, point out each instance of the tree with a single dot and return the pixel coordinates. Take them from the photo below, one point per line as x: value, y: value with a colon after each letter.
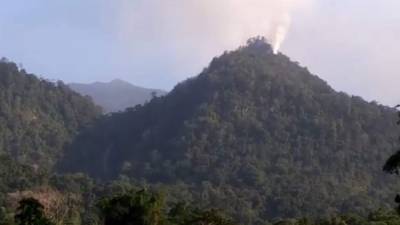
x: 31, y: 212
x: 392, y: 165
x: 183, y: 214
x: 210, y: 217
x: 134, y: 208
x: 4, y: 218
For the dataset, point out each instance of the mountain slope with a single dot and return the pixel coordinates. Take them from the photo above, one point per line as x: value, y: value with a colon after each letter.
x: 116, y: 95
x: 254, y: 134
x: 37, y: 117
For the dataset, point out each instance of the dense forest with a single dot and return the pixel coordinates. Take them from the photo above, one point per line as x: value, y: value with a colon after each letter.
x: 37, y: 117
x: 255, y: 134
x: 254, y: 139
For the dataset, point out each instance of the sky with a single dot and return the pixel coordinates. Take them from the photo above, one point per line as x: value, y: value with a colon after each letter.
x: 352, y: 44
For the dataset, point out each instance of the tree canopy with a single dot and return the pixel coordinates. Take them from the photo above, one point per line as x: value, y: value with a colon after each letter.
x: 30, y: 212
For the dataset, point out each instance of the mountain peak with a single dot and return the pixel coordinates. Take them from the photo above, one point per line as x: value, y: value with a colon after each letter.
x: 119, y: 82
x: 251, y: 121
x: 116, y: 95
x: 259, y: 44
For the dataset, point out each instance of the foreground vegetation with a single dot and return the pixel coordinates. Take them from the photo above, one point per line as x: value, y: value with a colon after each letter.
x: 148, y: 208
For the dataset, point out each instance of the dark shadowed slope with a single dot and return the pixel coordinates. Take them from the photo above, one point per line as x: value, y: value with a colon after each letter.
x: 255, y: 134
x: 116, y: 95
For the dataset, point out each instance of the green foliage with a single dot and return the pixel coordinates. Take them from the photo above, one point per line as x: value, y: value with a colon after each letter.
x: 380, y: 217
x: 5, y: 218
x: 392, y: 165
x: 14, y: 176
x: 140, y: 208
x: 30, y: 212
x: 254, y: 134
x: 37, y: 117
x: 209, y: 217
x: 146, y: 208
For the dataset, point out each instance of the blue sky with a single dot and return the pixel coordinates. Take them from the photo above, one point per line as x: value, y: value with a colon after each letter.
x: 157, y: 43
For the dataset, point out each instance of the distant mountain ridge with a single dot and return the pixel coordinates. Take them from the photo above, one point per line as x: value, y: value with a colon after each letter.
x: 116, y: 95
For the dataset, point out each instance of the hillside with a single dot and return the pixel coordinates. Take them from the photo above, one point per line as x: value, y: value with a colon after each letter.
x: 37, y: 117
x: 255, y: 134
x: 116, y: 95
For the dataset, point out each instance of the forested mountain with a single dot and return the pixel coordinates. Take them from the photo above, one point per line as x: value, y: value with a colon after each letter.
x: 254, y: 134
x: 37, y: 117
x: 116, y: 95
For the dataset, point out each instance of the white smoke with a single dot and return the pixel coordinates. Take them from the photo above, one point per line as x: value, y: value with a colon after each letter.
x: 279, y: 35
x: 281, y: 20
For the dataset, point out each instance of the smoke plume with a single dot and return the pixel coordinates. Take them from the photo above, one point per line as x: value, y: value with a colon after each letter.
x: 187, y: 31
x: 279, y: 35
